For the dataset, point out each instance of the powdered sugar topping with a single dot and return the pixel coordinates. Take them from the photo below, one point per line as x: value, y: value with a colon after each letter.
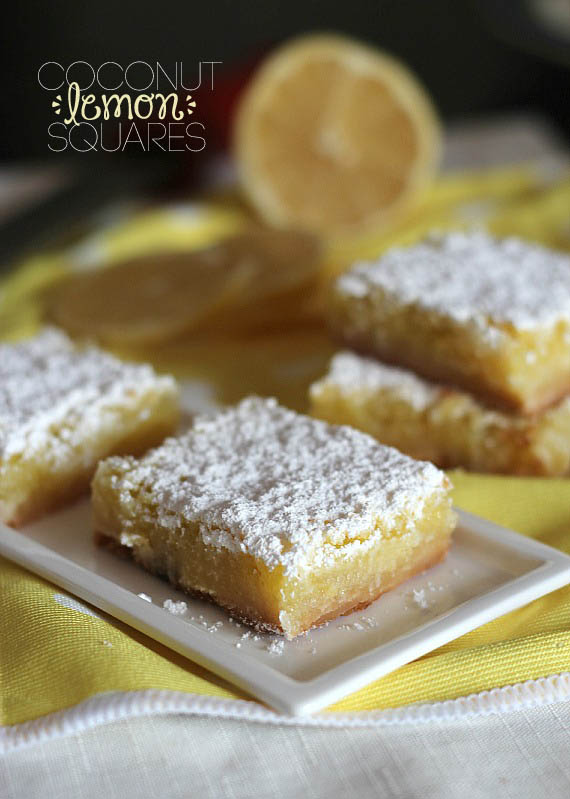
x: 276, y: 647
x: 350, y: 372
x: 285, y: 488
x: 177, y: 608
x: 471, y: 277
x: 48, y: 379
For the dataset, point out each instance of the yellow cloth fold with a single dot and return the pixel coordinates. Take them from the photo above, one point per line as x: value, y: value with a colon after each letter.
x: 53, y: 656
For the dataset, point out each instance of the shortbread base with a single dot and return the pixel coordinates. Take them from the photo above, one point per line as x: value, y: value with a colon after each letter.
x: 496, y: 391
x: 430, y: 557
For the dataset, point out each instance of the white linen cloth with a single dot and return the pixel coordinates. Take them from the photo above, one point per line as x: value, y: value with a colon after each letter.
x: 521, y: 754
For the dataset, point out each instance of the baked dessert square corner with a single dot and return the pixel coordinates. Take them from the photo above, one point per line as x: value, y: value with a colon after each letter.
x: 63, y: 407
x: 284, y: 520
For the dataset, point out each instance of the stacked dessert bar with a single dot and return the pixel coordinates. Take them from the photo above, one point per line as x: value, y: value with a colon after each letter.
x: 459, y: 353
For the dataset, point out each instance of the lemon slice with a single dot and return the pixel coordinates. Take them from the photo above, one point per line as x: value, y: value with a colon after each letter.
x: 145, y: 300
x: 154, y: 298
x: 275, y: 261
x: 334, y: 136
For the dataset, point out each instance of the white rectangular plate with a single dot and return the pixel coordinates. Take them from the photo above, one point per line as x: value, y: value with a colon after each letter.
x: 488, y: 572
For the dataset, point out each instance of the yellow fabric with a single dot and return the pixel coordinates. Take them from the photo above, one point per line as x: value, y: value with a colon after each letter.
x: 53, y: 656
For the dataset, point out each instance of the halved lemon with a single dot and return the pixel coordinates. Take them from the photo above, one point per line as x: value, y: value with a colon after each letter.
x: 333, y: 136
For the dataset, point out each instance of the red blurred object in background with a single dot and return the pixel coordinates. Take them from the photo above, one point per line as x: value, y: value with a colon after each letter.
x: 216, y: 108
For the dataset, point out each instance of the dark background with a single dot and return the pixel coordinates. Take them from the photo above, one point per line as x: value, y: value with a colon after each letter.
x: 474, y: 57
